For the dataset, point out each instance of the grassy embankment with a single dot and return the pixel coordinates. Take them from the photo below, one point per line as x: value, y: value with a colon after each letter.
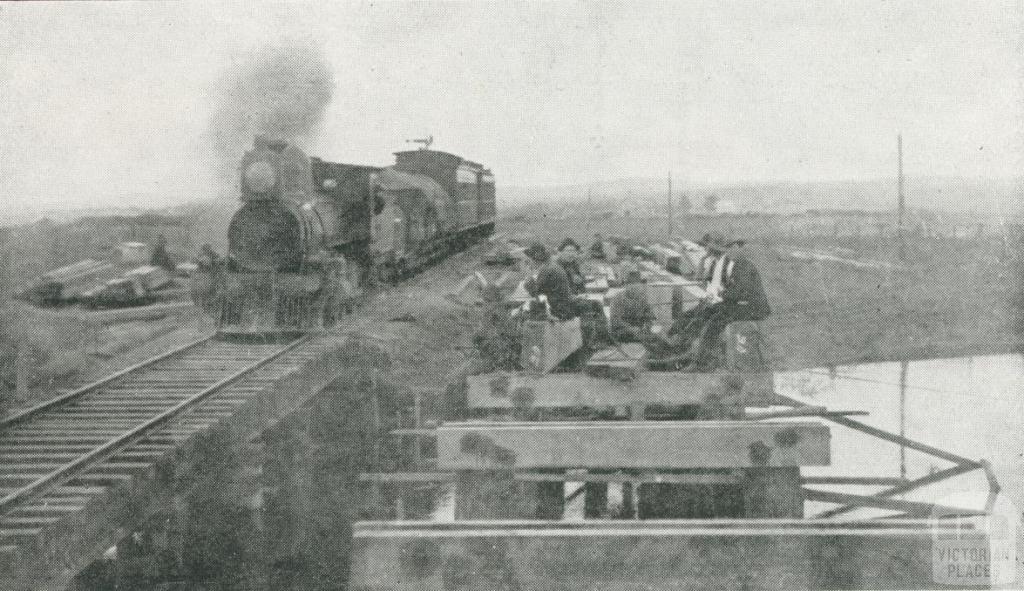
x: 66, y: 347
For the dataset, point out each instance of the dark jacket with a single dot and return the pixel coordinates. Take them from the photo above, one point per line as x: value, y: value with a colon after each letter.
x: 553, y: 283
x: 743, y: 295
x: 577, y: 281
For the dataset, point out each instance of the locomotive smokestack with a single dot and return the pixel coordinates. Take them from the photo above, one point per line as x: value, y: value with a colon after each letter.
x: 280, y: 92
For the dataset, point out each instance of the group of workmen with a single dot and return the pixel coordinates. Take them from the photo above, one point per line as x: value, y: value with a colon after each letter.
x: 732, y: 286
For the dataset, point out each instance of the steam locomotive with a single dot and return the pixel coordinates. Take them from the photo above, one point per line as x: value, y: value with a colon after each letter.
x: 312, y: 235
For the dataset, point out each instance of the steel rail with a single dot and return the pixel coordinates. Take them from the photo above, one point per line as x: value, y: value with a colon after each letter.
x: 67, y: 470
x: 64, y: 398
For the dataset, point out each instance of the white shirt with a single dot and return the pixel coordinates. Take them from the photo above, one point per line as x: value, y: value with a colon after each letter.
x: 721, y: 271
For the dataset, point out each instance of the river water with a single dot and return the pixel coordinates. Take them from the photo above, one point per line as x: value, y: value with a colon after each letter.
x: 971, y: 406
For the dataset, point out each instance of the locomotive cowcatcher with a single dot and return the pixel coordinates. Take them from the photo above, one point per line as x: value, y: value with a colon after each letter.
x: 312, y: 235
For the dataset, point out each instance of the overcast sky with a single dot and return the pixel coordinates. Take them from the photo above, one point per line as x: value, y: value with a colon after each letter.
x: 102, y: 101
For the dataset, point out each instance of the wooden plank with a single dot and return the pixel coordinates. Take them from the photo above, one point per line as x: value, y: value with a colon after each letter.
x: 523, y: 390
x: 803, y: 411
x: 631, y: 444
x: 414, y: 432
x: 729, y: 527
x: 856, y: 480
x: 645, y: 477
x: 407, y: 477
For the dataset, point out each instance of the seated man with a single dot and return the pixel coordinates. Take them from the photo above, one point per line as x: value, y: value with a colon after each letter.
x: 631, y: 315
x: 707, y: 261
x: 569, y: 258
x: 734, y: 293
x: 550, y: 281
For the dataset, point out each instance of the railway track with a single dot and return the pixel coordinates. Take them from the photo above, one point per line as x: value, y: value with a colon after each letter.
x: 58, y: 455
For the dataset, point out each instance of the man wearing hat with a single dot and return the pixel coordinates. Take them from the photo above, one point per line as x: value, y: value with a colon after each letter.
x: 550, y: 282
x: 734, y: 292
x: 707, y: 261
x: 569, y: 259
x: 720, y: 266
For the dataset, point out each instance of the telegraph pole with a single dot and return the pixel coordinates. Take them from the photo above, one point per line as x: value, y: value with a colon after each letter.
x: 900, y: 202
x: 901, y: 213
x: 903, y: 418
x: 671, y: 229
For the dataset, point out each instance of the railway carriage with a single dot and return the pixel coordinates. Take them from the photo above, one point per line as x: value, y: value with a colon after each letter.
x: 311, y: 235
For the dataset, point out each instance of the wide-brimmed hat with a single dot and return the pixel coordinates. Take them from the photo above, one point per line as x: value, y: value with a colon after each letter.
x: 537, y: 252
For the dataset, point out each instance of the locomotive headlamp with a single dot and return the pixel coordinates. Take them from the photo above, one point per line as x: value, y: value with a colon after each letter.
x: 260, y: 176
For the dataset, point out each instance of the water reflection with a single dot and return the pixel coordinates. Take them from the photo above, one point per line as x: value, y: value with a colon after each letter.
x: 971, y: 406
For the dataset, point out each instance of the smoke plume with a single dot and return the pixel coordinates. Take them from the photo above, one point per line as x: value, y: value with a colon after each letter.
x: 282, y: 92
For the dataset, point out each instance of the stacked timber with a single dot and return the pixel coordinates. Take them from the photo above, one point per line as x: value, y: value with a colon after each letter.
x: 67, y: 284
x: 150, y: 277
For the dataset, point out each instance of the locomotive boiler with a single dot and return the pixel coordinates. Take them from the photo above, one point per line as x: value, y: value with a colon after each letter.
x: 311, y: 235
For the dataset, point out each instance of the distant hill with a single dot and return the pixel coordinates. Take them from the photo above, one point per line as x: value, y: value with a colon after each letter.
x: 957, y: 194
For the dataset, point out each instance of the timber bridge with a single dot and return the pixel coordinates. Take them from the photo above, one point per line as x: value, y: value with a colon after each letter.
x: 578, y: 475
x: 81, y: 471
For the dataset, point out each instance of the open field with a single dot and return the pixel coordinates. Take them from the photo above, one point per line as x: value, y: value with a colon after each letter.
x: 952, y: 296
